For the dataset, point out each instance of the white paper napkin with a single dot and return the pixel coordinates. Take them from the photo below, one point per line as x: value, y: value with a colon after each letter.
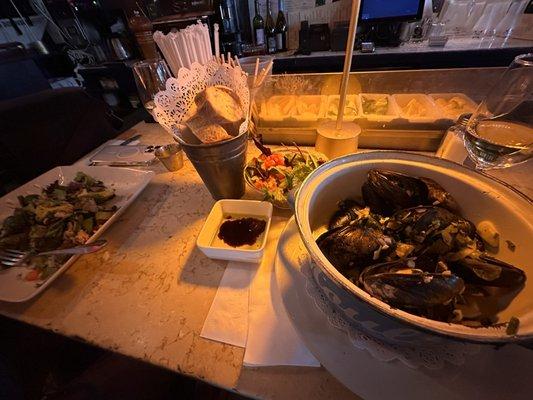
x: 112, y: 142
x: 452, y: 148
x: 248, y: 312
x: 227, y: 320
x: 272, y: 339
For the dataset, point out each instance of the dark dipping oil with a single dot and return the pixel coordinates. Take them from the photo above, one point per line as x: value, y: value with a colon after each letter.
x: 241, y: 231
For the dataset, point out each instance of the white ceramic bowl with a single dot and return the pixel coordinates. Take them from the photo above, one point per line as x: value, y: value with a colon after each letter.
x: 479, y: 196
x: 237, y: 208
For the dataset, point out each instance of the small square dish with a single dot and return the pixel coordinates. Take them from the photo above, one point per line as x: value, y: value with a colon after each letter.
x: 234, y: 211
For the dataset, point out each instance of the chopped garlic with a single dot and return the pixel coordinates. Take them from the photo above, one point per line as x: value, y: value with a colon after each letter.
x: 488, y: 233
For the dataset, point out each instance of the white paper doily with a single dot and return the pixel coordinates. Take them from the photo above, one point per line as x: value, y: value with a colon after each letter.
x: 414, y: 356
x: 172, y: 104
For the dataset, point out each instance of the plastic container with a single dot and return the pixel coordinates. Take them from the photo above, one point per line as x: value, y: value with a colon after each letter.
x: 470, y: 105
x: 293, y: 110
x: 270, y: 111
x: 430, y: 114
x: 309, y: 108
x: 332, y: 108
x: 248, y: 64
x: 392, y: 108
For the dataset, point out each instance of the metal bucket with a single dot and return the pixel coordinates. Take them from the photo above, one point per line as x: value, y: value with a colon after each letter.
x: 220, y: 165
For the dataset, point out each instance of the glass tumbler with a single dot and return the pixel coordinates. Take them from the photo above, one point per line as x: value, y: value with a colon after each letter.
x: 150, y: 78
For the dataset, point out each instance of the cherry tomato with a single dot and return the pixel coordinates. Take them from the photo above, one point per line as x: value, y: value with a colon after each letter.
x: 33, y: 275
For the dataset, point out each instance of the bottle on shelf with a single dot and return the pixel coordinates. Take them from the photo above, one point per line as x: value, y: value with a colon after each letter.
x: 281, y: 29
x: 270, y: 30
x: 259, y: 26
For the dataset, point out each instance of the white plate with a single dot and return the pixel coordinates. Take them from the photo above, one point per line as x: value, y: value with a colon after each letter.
x: 494, y: 372
x: 127, y: 183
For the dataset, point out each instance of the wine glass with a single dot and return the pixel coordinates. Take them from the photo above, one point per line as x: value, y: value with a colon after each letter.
x: 500, y: 132
x: 150, y: 78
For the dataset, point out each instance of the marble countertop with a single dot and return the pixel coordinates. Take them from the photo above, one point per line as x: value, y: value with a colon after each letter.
x: 147, y: 295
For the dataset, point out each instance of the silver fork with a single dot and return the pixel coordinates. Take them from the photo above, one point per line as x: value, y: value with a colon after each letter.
x: 10, y: 258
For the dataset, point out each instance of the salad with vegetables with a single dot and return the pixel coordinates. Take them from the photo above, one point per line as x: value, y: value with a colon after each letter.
x: 277, y: 173
x: 61, y: 216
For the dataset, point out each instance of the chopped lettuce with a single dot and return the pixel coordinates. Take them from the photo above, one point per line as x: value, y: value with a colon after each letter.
x: 60, y: 216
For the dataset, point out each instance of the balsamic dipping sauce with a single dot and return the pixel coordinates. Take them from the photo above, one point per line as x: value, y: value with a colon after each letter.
x: 241, y: 231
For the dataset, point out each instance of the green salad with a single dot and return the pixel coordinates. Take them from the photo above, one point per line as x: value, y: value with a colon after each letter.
x: 276, y: 174
x: 61, y: 216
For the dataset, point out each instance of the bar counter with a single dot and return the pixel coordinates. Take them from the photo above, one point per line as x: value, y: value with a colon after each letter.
x: 147, y: 295
x: 458, y: 53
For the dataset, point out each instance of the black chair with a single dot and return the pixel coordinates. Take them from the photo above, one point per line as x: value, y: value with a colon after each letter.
x: 47, y: 129
x: 19, y: 74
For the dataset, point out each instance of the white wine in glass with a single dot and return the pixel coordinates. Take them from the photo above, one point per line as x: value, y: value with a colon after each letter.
x: 500, y: 132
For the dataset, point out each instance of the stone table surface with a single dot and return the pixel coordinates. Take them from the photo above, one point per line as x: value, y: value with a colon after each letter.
x: 148, y: 294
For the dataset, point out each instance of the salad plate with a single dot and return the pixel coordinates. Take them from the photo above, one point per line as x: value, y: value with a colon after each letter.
x: 126, y: 184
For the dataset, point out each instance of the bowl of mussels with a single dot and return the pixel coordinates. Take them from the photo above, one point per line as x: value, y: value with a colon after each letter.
x: 411, y: 246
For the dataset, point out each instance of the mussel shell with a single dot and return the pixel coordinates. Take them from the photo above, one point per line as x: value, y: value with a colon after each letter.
x: 376, y: 203
x: 345, y: 214
x: 389, y: 283
x: 352, y: 246
x: 485, y: 270
x: 387, y: 191
x: 437, y: 195
x: 420, y: 223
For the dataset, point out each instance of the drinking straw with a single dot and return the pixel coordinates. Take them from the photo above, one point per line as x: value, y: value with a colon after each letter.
x: 216, y: 39
x: 183, y: 49
x: 264, y: 73
x: 192, y: 47
x: 207, y: 42
x: 256, y: 71
x: 347, y: 62
x: 175, y: 50
x: 198, y: 48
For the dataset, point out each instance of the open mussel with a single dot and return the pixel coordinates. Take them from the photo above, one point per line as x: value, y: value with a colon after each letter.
x: 430, y: 223
x: 400, y: 284
x: 352, y: 247
x: 349, y: 210
x: 387, y: 191
x: 479, y: 268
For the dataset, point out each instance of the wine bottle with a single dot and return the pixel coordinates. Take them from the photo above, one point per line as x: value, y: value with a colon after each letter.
x: 259, y: 26
x: 270, y: 30
x: 281, y: 29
